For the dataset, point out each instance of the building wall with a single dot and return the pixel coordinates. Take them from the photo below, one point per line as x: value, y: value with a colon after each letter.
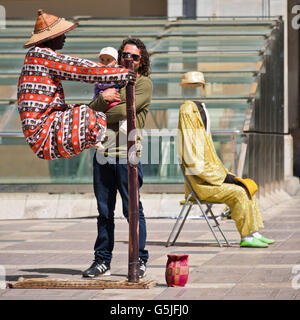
x: 293, y: 79
x: 127, y: 8
x: 237, y: 8
x: 100, y: 8
x: 148, y: 8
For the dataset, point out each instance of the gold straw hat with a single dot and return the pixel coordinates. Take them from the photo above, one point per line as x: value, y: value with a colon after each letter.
x: 193, y: 79
x: 47, y: 27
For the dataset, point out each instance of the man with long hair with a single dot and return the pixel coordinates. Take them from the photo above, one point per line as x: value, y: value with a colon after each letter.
x: 110, y: 164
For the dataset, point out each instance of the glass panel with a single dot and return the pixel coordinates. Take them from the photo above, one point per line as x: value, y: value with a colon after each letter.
x: 224, y: 114
x: 10, y: 119
x: 220, y: 30
x: 11, y: 64
x: 111, y: 31
x: 237, y: 43
x: 225, y: 20
x: 8, y: 87
x: 160, y: 163
x: 95, y: 45
x: 218, y: 85
x: 160, y: 166
x: 136, y: 21
x: 205, y: 62
x: 20, y: 23
x: 72, y: 45
x: 10, y: 46
x: 92, y: 30
x: 18, y: 164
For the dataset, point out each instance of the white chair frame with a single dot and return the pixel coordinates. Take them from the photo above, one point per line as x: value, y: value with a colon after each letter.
x: 189, y: 204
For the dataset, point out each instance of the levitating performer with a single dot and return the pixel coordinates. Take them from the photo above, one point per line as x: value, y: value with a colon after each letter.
x: 52, y: 128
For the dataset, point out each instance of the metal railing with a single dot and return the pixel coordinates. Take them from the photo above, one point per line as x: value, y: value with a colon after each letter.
x: 159, y: 157
x: 236, y: 165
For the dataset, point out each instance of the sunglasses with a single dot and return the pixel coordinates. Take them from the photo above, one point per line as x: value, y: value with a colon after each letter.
x: 135, y: 57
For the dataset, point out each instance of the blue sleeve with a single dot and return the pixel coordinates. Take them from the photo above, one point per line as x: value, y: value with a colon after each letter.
x: 96, y: 91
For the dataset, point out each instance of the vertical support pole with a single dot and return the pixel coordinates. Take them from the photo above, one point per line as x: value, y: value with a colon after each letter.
x: 133, y: 196
x: 233, y: 150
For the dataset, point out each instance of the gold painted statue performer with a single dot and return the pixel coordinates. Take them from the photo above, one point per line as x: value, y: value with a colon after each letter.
x: 206, y: 173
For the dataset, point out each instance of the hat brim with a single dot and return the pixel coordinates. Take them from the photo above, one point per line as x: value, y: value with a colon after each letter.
x: 60, y: 28
x: 192, y: 84
x: 250, y: 186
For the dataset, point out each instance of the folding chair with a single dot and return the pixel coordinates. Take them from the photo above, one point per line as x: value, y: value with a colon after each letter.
x: 188, y: 204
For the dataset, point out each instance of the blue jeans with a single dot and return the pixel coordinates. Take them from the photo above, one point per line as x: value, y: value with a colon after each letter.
x: 108, y: 179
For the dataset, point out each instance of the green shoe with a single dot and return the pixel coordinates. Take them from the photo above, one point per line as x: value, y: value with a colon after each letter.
x: 266, y: 240
x: 254, y: 243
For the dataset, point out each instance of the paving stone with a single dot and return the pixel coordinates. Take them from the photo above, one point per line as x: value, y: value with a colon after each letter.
x: 267, y: 275
x: 208, y: 275
x: 62, y: 248
x: 192, y: 294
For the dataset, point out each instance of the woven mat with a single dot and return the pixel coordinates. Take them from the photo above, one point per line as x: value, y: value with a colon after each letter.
x: 37, y: 283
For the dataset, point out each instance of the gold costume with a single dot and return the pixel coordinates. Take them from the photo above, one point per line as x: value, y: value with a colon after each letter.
x: 206, y: 172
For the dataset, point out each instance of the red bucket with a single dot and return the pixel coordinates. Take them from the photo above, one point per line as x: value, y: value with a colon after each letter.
x: 177, y: 270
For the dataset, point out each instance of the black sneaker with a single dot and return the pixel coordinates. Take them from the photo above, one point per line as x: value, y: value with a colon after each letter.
x: 98, y: 268
x: 142, y: 268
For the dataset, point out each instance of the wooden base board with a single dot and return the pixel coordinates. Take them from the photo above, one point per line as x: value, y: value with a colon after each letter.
x: 36, y: 283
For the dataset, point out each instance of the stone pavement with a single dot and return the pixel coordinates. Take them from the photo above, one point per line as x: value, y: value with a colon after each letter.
x: 62, y: 248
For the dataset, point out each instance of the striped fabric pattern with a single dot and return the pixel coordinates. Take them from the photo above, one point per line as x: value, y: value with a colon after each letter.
x: 52, y: 128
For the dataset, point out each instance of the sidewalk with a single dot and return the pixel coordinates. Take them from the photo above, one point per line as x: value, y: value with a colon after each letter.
x: 62, y: 248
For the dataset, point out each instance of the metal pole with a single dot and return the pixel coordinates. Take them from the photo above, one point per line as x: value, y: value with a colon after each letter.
x: 133, y: 196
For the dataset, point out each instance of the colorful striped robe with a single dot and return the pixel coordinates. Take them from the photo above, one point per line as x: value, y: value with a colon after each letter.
x: 52, y: 128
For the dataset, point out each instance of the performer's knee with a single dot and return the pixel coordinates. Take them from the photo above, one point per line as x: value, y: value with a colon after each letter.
x: 239, y: 203
x: 241, y: 194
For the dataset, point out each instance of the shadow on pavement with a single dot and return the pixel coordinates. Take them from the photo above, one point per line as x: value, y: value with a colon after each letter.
x: 54, y: 270
x: 16, y: 277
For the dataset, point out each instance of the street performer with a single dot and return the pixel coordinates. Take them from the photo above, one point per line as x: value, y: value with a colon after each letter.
x: 209, y: 178
x: 52, y: 128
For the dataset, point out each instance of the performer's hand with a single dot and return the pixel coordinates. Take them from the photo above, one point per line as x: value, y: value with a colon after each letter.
x: 111, y: 95
x: 230, y: 178
x: 131, y: 77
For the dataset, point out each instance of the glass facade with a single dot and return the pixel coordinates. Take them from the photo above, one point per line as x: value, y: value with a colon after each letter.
x: 242, y: 64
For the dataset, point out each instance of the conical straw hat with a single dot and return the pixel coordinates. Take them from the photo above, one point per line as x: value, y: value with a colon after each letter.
x: 192, y: 79
x: 47, y: 27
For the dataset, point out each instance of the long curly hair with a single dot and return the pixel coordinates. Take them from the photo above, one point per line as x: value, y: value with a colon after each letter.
x: 144, y: 68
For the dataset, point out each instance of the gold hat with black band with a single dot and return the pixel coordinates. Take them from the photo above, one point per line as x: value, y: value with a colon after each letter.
x: 47, y: 27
